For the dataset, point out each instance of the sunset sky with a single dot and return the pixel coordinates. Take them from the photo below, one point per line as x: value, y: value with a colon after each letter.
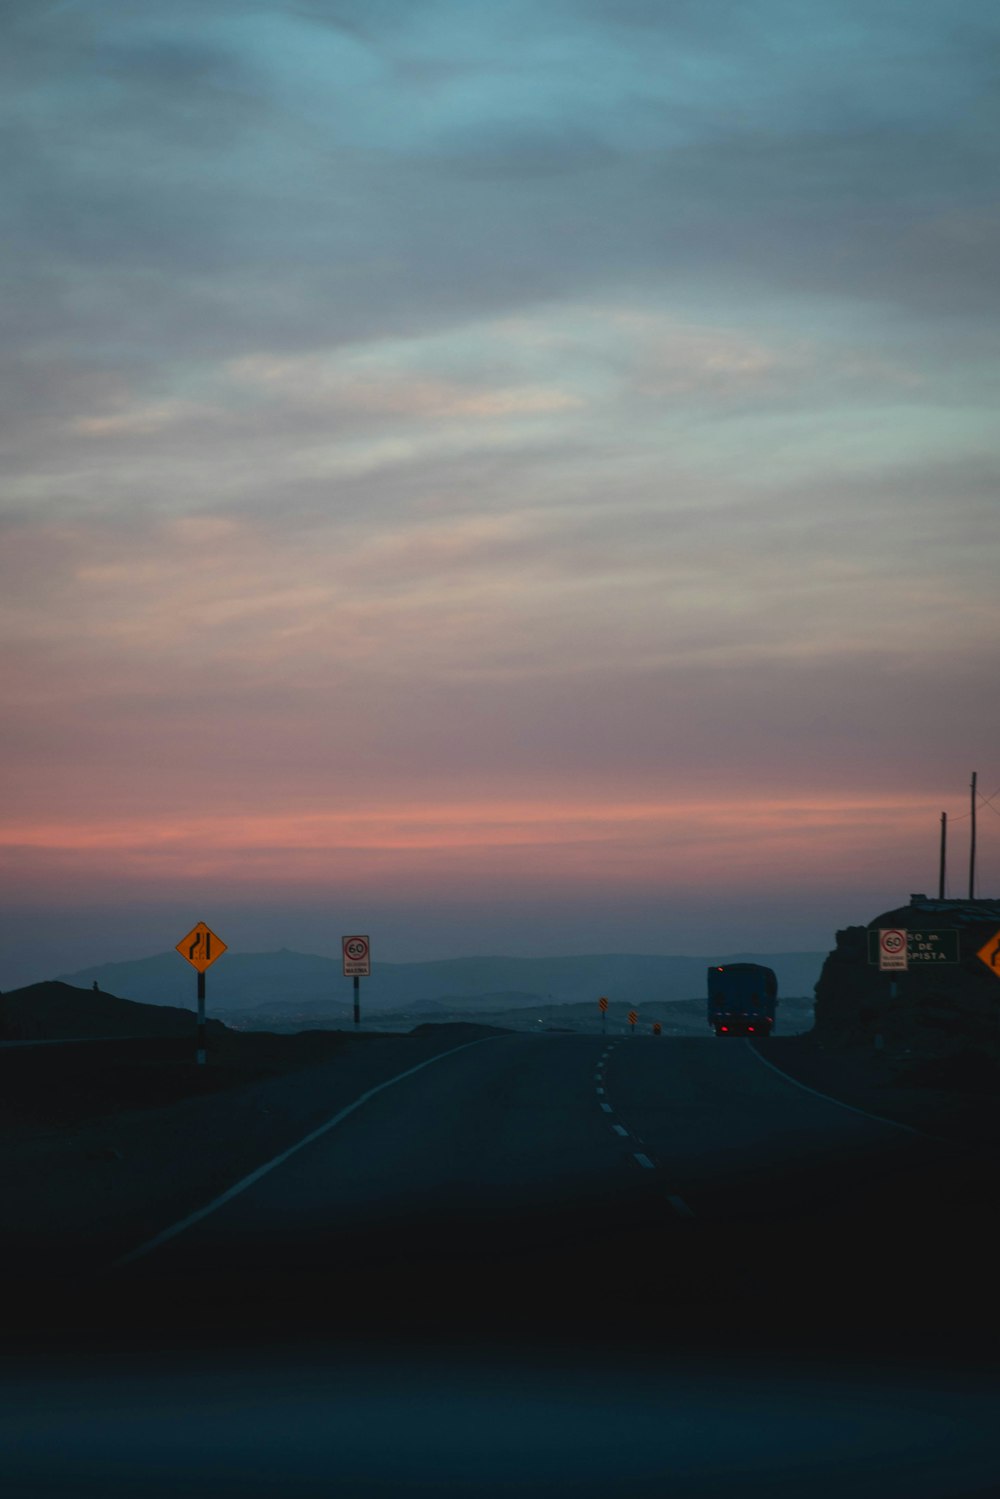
x: 511, y: 476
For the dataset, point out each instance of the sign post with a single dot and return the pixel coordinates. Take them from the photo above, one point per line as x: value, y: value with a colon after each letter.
x: 200, y: 948
x: 357, y: 965
x: 602, y: 1005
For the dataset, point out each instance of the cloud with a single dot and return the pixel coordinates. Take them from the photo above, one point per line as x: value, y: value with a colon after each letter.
x: 442, y: 413
x: 251, y: 177
x: 621, y: 846
x: 140, y: 420
x: 367, y: 387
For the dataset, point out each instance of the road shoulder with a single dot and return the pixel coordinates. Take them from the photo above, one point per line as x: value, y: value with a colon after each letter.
x: 880, y: 1083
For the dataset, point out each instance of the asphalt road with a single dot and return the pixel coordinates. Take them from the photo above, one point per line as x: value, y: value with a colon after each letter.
x: 545, y: 1265
x: 685, y: 1180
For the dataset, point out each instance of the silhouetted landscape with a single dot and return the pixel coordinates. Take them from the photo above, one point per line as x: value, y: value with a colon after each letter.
x: 781, y: 1214
x: 246, y: 980
x: 498, y: 560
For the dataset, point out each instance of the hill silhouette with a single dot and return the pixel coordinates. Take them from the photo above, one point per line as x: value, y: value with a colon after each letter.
x: 57, y: 1010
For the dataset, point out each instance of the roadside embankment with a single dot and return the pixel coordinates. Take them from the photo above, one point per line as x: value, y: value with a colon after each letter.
x: 955, y: 1097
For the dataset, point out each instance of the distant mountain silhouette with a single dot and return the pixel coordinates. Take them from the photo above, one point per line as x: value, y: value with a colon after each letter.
x: 503, y: 999
x: 241, y: 981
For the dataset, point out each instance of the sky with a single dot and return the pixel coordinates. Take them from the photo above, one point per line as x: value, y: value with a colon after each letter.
x: 501, y: 477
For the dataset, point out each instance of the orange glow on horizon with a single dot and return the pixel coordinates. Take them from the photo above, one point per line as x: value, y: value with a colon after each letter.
x: 480, y: 824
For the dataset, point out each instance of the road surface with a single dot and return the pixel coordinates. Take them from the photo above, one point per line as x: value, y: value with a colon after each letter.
x: 541, y: 1265
x: 671, y: 1172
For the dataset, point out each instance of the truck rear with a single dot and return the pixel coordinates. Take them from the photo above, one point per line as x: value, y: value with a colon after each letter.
x: 742, y: 998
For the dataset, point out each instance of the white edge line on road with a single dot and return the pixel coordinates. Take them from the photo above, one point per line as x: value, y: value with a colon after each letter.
x: 879, y: 1118
x: 255, y: 1176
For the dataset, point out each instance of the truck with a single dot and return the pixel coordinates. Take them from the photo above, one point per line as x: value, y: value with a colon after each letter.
x: 742, y: 998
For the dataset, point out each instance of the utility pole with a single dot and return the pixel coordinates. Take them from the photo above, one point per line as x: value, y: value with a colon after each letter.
x: 972, y: 843
x: 944, y: 844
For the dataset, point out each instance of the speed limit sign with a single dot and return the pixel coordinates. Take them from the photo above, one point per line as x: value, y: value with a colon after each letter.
x: 357, y: 957
x: 892, y: 953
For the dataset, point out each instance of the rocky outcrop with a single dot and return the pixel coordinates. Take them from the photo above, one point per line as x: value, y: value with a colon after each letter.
x: 934, y: 1008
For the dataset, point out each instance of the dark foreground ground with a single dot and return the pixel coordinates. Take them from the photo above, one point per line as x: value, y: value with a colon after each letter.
x: 580, y: 1354
x: 103, y: 1143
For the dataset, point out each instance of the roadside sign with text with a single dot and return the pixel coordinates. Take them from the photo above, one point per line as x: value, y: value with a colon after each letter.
x: 892, y: 949
x: 989, y: 954
x: 357, y: 957
x: 201, y: 947
x: 937, y: 946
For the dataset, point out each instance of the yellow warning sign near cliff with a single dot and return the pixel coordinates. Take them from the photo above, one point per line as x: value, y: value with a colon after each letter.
x: 989, y: 954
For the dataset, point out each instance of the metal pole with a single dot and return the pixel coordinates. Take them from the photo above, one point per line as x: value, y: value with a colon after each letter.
x: 357, y: 1000
x: 200, y: 1053
x: 972, y: 843
x: 944, y: 844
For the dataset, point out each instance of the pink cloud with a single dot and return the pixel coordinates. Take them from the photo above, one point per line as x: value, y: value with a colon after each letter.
x: 762, y: 844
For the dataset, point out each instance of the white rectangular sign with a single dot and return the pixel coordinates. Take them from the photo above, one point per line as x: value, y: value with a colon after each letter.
x: 357, y: 957
x: 892, y: 949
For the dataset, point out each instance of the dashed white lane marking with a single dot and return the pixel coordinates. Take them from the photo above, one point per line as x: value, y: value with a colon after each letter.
x: 643, y: 1160
x: 607, y: 1108
x: 879, y: 1118
x: 255, y: 1176
x: 619, y: 1129
x: 680, y: 1207
x: 599, y: 1090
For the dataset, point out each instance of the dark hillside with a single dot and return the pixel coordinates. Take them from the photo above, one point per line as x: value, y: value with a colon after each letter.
x: 57, y: 1011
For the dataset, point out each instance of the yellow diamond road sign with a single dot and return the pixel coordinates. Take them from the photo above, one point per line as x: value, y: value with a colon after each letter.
x: 201, y: 947
x: 989, y: 954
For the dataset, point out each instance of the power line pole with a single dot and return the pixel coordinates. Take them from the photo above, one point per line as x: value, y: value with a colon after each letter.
x: 944, y: 845
x: 972, y: 843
